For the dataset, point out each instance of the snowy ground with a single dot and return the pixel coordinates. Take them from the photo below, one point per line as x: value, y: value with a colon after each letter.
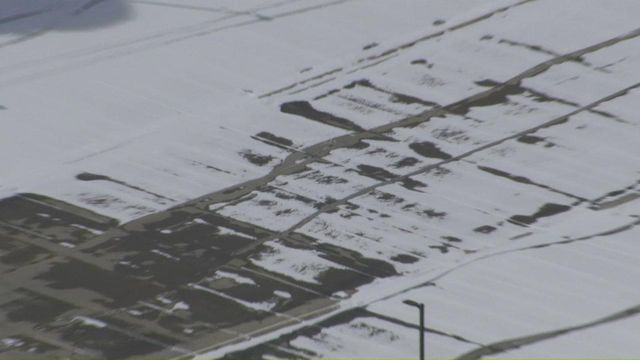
x: 273, y: 178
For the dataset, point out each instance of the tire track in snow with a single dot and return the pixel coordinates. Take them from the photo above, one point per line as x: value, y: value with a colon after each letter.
x: 616, y: 230
x: 514, y: 343
x: 69, y: 61
x: 379, y: 58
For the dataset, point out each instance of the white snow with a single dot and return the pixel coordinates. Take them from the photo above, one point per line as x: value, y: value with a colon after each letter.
x: 611, y: 340
x: 9, y: 342
x: 282, y: 294
x: 180, y: 305
x: 522, y: 293
x: 166, y: 99
x: 88, y: 321
x: 259, y: 306
x: 86, y: 228
x: 165, y: 254
x: 226, y: 231
x: 302, y: 265
x: 239, y: 279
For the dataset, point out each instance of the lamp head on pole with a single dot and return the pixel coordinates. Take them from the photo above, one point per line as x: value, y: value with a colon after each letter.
x: 413, y: 303
x: 420, y: 307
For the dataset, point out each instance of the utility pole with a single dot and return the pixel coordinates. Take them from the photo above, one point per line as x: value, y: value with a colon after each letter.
x: 420, y: 307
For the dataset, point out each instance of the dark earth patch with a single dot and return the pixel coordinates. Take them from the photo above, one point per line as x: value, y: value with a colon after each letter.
x: 546, y: 210
x: 404, y: 258
x: 485, y: 229
x: 405, y: 162
x: 304, y: 109
x: 430, y: 150
x: 85, y: 176
x: 272, y: 139
x: 256, y: 159
x: 530, y: 139
x: 370, y: 46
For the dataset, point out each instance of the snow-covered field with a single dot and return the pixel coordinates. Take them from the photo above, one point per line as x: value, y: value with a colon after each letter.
x: 273, y: 178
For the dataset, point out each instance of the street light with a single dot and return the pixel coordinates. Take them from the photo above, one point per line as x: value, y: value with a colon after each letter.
x: 420, y: 307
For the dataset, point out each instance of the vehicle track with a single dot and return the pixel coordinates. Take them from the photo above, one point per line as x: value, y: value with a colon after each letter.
x: 385, y: 55
x: 515, y: 343
x: 87, y: 57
